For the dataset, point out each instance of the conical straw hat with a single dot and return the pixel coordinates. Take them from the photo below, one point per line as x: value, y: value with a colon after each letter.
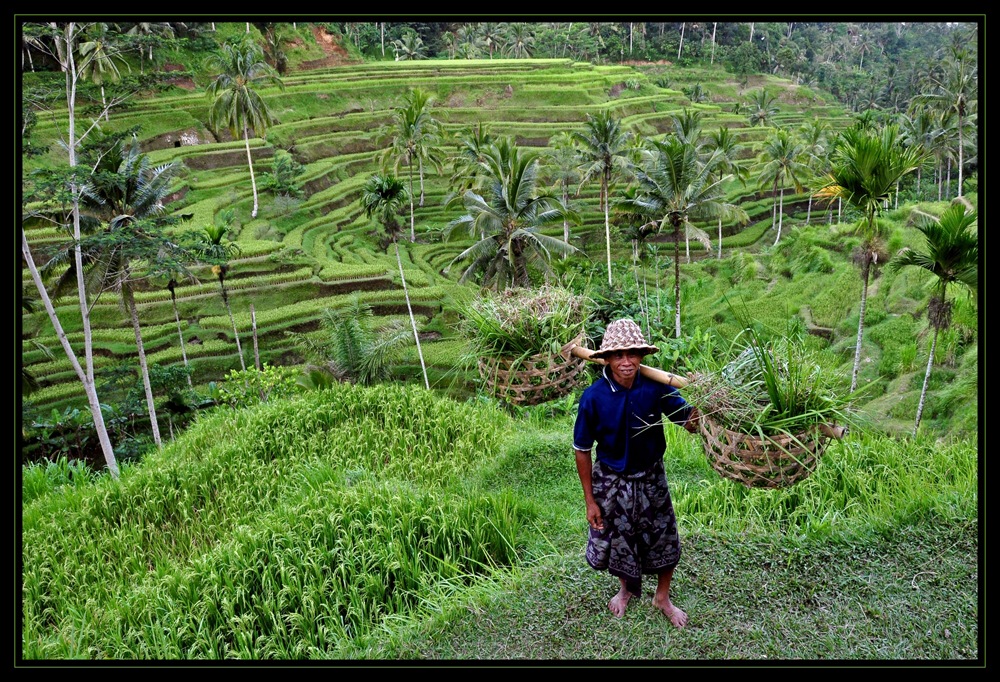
x: 623, y: 335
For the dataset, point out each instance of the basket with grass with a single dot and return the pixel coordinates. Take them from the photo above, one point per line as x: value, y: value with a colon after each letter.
x: 768, y: 414
x: 521, y: 341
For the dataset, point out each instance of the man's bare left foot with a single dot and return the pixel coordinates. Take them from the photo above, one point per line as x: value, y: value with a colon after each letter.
x: 676, y: 616
x: 619, y: 602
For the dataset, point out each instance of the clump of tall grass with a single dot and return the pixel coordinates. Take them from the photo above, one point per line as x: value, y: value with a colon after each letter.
x: 519, y: 321
x: 770, y: 384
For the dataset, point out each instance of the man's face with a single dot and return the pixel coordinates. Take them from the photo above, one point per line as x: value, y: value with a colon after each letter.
x: 624, y: 365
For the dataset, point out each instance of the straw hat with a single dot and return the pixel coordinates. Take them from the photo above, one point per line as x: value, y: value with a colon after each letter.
x: 623, y: 335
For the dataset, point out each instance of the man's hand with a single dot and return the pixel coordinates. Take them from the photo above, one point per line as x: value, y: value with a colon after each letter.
x: 692, y: 422
x: 594, y: 517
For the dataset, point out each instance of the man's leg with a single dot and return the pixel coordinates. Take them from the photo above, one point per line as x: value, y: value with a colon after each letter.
x: 620, y: 600
x: 661, y: 599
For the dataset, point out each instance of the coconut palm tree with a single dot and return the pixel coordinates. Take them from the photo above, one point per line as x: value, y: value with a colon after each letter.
x: 99, y: 58
x: 236, y: 100
x: 955, y: 90
x: 779, y: 162
x: 563, y: 167
x: 676, y: 187
x: 413, y: 137
x: 762, y: 108
x: 867, y: 164
x: 507, y: 217
x: 723, y: 140
x: 382, y: 197
x: 952, y: 256
x: 215, y: 249
x: 123, y: 200
x: 409, y: 47
x: 465, y: 162
x: 607, y: 151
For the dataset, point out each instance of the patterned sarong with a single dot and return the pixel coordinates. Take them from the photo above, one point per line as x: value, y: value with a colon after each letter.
x: 640, y: 529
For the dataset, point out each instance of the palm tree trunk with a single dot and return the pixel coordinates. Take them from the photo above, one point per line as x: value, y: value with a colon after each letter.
x: 253, y: 327
x: 714, y: 24
x: 607, y: 229
x: 232, y: 321
x: 413, y: 321
x: 677, y: 283
x: 143, y: 366
x: 720, y: 238
x: 413, y: 230
x: 253, y: 181
x: 781, y: 213
x: 180, y: 332
x: 86, y: 378
x: 421, y: 167
x: 861, y: 327
x: 927, y: 377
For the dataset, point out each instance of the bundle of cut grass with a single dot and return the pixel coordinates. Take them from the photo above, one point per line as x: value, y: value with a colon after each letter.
x: 521, y: 340
x: 768, y: 414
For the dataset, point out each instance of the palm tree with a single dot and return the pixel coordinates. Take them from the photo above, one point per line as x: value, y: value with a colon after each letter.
x: 780, y: 161
x: 236, y: 101
x: 409, y: 47
x: 382, y: 197
x: 520, y: 40
x: 125, y: 196
x: 952, y: 256
x: 563, y: 164
x: 867, y: 164
x: 813, y: 136
x: 723, y: 140
x: 676, y: 187
x: 216, y: 250
x: 466, y: 162
x: 956, y: 90
x: 99, y: 58
x: 509, y: 215
x: 413, y: 136
x: 606, y: 149
x: 762, y: 108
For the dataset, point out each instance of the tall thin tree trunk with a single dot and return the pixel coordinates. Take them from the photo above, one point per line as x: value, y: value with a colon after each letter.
x: 680, y: 46
x: 86, y: 378
x: 253, y: 181
x: 413, y: 229
x: 413, y: 320
x: 927, y: 378
x: 781, y: 213
x: 232, y: 321
x: 65, y: 49
x: 180, y: 332
x: 677, y: 283
x: 126, y: 292
x: 607, y: 231
x: 861, y: 326
x: 253, y: 326
x: 714, y: 24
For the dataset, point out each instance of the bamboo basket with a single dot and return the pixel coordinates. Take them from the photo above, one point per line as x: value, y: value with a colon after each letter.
x: 771, y: 462
x: 534, y: 379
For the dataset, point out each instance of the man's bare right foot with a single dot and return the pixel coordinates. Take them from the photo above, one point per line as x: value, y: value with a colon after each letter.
x: 676, y: 616
x: 619, y: 602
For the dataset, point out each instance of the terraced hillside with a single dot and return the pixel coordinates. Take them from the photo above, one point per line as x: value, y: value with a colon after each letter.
x: 299, y: 257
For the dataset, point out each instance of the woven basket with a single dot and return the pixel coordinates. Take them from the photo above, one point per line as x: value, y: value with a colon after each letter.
x: 535, y: 379
x: 774, y: 462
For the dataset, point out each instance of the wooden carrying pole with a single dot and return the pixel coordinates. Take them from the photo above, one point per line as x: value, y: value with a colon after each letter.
x: 648, y: 372
x: 828, y: 430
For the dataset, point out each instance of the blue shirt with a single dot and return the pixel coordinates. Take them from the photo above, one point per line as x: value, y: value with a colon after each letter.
x: 626, y: 423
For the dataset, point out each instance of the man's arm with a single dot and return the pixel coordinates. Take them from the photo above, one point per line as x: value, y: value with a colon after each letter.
x: 585, y: 467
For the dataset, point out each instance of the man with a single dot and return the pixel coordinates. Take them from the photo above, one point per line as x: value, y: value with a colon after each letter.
x: 633, y: 530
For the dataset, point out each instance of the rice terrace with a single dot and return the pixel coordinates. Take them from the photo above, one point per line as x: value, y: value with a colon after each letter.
x: 307, y: 309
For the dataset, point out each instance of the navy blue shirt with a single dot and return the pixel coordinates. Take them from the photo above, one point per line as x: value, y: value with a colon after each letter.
x: 626, y: 423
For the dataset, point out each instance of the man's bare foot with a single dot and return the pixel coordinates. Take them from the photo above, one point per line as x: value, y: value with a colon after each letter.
x: 676, y: 616
x: 619, y: 602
